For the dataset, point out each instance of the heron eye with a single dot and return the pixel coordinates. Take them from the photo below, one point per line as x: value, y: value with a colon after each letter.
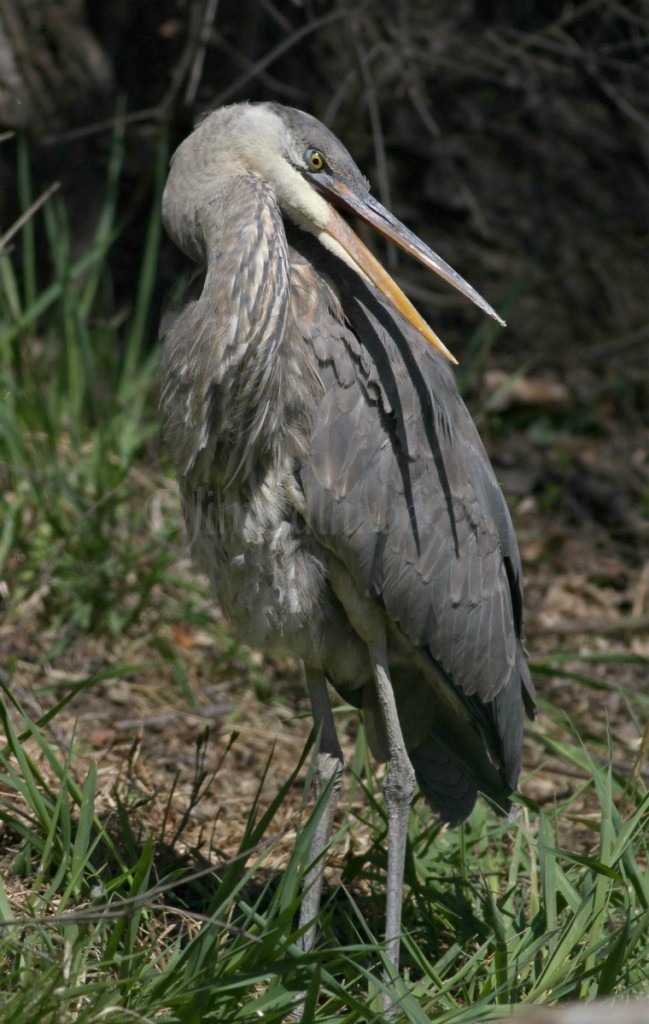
x: 315, y: 160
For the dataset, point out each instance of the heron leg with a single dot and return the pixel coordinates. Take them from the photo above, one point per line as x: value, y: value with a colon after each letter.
x: 328, y: 772
x: 399, y: 786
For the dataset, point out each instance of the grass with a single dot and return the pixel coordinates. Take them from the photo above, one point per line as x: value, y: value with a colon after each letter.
x: 106, y: 913
x: 74, y: 421
x: 495, y: 915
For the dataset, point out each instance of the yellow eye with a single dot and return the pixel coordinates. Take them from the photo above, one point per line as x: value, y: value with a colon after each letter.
x: 315, y: 160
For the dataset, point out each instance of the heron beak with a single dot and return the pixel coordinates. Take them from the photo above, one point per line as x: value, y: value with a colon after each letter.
x: 373, y: 213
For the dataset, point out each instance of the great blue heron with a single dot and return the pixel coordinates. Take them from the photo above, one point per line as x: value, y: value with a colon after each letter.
x: 334, y: 486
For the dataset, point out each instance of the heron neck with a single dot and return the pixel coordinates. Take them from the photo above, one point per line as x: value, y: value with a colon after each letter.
x: 227, y: 391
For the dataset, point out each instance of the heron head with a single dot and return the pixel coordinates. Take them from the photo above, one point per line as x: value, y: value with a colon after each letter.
x: 313, y: 177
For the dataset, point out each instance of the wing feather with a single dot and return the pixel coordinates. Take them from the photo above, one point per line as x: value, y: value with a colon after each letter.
x: 399, y: 488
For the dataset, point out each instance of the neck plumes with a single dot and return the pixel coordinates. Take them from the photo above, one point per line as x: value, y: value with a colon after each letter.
x: 225, y: 360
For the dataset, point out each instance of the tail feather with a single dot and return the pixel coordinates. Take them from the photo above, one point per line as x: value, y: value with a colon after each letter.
x: 472, y: 747
x: 450, y: 787
x: 447, y: 788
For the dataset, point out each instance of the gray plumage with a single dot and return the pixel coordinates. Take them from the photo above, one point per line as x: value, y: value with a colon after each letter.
x: 334, y: 486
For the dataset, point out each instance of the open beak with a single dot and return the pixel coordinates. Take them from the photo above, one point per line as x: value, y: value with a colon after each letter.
x: 373, y: 213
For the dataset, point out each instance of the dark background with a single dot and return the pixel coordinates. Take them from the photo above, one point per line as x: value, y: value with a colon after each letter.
x: 512, y: 135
